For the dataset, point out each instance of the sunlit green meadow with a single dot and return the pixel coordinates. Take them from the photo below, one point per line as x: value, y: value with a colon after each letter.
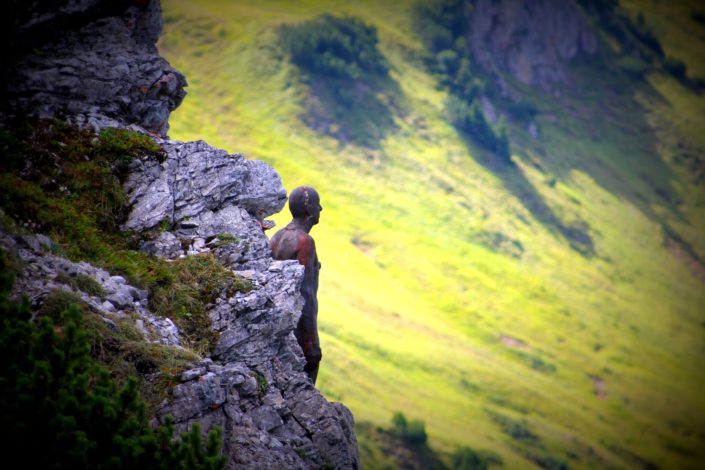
x: 599, y: 357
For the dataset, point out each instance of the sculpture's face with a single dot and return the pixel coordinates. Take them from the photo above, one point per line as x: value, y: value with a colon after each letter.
x: 314, y: 209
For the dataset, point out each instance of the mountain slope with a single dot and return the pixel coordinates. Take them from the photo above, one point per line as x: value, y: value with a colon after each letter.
x: 461, y: 293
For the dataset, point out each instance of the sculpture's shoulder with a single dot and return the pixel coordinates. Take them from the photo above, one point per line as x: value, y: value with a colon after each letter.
x: 290, y: 242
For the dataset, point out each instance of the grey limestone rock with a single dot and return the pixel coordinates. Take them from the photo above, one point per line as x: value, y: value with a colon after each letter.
x: 204, y: 192
x: 97, y: 57
x: 274, y: 417
x: 165, y: 245
x: 195, y: 184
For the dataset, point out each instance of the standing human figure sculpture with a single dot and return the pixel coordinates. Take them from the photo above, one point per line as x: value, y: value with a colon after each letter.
x: 294, y: 242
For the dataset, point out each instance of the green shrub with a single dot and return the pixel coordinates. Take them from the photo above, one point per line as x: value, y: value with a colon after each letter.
x: 535, y: 362
x: 352, y: 97
x: 516, y: 429
x: 60, y: 409
x: 439, y: 23
x: 466, y: 458
x: 698, y: 17
x: 197, y: 282
x: 412, y: 432
x: 448, y: 62
x: 342, y: 47
x: 469, y: 119
x: 645, y: 35
x: 441, y: 26
x: 523, y: 111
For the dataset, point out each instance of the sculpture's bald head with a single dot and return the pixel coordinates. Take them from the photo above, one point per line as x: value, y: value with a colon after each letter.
x: 304, y: 203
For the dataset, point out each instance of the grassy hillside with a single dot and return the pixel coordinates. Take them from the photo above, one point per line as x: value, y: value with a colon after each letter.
x: 456, y: 292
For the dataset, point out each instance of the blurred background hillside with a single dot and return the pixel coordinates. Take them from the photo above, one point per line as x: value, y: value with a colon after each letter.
x: 514, y: 208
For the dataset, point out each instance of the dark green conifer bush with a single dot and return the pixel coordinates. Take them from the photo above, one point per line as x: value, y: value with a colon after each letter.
x: 412, y: 432
x: 341, y: 47
x: 60, y: 409
x: 440, y: 25
x: 352, y: 97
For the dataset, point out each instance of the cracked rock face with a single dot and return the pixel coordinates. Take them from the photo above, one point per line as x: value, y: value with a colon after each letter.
x: 202, y: 192
x: 104, y: 61
x: 195, y: 184
x: 254, y: 387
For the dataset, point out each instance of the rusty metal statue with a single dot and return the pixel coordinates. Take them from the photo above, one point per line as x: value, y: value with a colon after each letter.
x: 294, y: 242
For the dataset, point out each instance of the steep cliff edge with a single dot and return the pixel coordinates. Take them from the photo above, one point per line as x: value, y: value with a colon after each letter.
x: 103, y: 71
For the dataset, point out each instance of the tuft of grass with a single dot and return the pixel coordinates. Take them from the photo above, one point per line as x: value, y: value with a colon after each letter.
x: 121, y: 346
x: 123, y: 349
x: 226, y: 239
x: 83, y: 283
x: 57, y: 302
x: 196, y: 284
x: 262, y: 384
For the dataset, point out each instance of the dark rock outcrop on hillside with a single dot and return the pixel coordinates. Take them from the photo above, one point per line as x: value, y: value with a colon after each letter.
x: 93, y: 56
x: 104, y: 71
x: 531, y: 40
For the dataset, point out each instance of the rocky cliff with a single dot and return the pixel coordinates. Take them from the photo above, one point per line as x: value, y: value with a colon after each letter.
x: 95, y: 62
x: 92, y: 57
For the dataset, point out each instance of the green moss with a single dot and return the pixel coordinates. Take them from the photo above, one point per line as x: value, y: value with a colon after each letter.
x: 122, y: 143
x: 122, y: 347
x: 262, y: 384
